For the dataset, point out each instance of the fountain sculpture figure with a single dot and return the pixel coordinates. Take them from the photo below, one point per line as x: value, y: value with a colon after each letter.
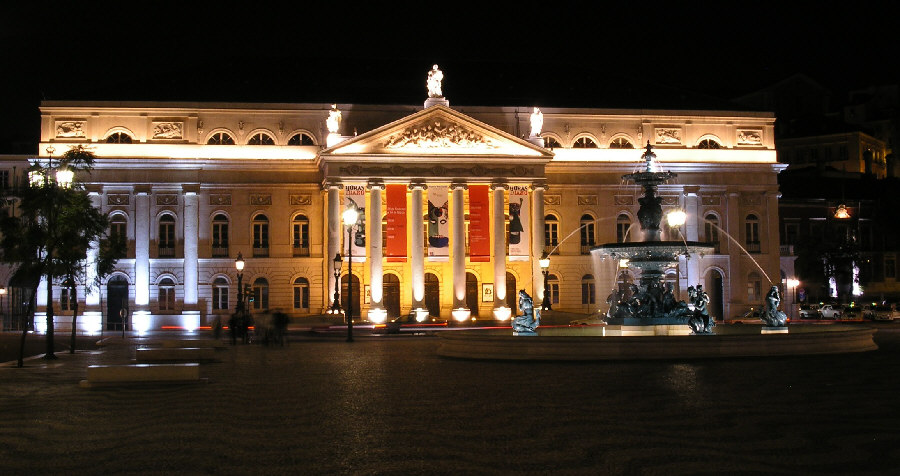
x: 653, y: 301
x: 530, y: 319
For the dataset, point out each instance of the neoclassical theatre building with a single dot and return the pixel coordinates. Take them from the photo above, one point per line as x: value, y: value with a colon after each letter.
x: 457, y: 205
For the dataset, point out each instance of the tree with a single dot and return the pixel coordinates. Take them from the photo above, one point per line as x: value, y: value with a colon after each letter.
x: 52, y: 226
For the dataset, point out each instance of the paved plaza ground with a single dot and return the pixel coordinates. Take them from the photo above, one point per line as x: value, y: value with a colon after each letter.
x: 390, y: 405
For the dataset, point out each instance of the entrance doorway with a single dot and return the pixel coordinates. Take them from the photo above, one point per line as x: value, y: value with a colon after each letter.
x: 391, y: 289
x: 116, y: 302
x: 715, y: 290
x: 512, y: 297
x: 432, y: 295
x: 345, y: 297
x: 472, y: 294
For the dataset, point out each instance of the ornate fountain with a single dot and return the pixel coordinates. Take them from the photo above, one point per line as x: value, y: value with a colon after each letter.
x: 651, y: 302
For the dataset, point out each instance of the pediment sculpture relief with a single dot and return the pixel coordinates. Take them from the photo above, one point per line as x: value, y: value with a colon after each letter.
x: 438, y: 134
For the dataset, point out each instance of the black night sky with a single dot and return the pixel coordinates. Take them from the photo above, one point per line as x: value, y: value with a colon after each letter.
x: 530, y: 53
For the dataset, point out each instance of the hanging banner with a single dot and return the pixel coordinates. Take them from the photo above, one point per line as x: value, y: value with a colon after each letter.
x: 479, y: 224
x: 355, y: 197
x: 396, y: 223
x: 519, y: 212
x: 438, y: 224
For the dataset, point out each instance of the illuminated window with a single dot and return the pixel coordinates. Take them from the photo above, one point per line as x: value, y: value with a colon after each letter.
x: 166, y: 297
x: 66, y: 301
x: 261, y: 138
x: 751, y: 233
x: 301, y: 139
x: 301, y: 294
x: 300, y: 234
x: 551, y: 232
x: 588, y: 291
x: 551, y: 142
x: 220, y: 236
x: 118, y: 138
x: 260, y: 228
x: 587, y: 234
x: 623, y: 224
x: 220, y: 294
x: 708, y: 144
x: 118, y: 226
x: 166, y: 238
x: 584, y: 143
x: 621, y: 143
x: 220, y: 138
x: 260, y: 294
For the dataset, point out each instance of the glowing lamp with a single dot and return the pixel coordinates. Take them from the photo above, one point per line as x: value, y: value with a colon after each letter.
x: 676, y: 218
x: 64, y: 177
x: 377, y: 316
x: 544, y: 262
x: 350, y: 216
x: 239, y: 262
x: 842, y: 212
x: 793, y: 283
x: 35, y: 178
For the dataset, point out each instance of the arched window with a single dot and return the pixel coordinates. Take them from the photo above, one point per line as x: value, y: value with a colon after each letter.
x: 118, y: 229
x: 708, y: 144
x: 220, y: 236
x: 260, y: 294
x: 588, y: 234
x: 551, y: 232
x: 166, y: 297
x: 620, y: 143
x: 260, y: 233
x: 301, y: 294
x: 301, y: 138
x: 711, y: 230
x: 261, y: 138
x: 588, y: 291
x: 220, y: 294
x: 220, y: 138
x: 118, y: 138
x: 751, y: 233
x: 754, y: 288
x: 553, y: 287
x: 623, y: 224
x: 550, y: 142
x: 166, y: 238
x: 300, y: 235
x: 584, y: 143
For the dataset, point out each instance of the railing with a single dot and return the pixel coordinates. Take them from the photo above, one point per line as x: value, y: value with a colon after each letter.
x: 753, y: 247
x: 166, y: 252
x: 301, y: 251
x: 549, y: 248
x: 786, y: 250
x: 586, y: 249
x: 220, y: 252
x: 260, y: 251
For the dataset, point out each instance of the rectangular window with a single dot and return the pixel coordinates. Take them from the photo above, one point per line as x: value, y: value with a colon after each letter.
x: 260, y: 297
x: 554, y: 293
x: 890, y: 268
x: 117, y: 232
x: 4, y: 179
x: 65, y: 301
x: 588, y: 296
x: 220, y: 297
x: 551, y: 235
x: 220, y: 235
x: 301, y: 297
x: 791, y: 233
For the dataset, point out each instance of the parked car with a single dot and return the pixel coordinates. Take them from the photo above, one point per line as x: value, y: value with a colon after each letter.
x: 851, y: 313
x: 751, y: 314
x: 886, y: 312
x: 831, y: 311
x: 809, y: 311
x: 868, y: 311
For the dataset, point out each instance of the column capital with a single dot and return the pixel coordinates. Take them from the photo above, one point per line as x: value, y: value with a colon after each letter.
x: 375, y: 184
x: 330, y: 184
x: 499, y: 186
x: 143, y: 189
x: 459, y: 186
x: 191, y: 189
x: 539, y: 186
x: 417, y: 184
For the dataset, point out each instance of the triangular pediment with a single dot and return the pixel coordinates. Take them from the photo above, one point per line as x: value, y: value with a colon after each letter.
x: 437, y: 131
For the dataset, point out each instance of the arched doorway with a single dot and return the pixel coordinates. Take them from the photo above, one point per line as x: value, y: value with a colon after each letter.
x: 432, y: 295
x: 472, y: 293
x: 116, y: 302
x: 714, y: 288
x: 391, y: 289
x: 512, y: 297
x: 345, y: 297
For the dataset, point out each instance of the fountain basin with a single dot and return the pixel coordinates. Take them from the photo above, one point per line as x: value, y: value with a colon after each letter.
x: 587, y: 343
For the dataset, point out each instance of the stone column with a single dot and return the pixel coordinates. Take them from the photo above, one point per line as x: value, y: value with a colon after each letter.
x: 498, y: 190
x: 692, y: 233
x: 334, y: 237
x: 142, y: 248
x: 457, y: 237
x: 92, y: 293
x: 376, y: 274
x: 191, y: 243
x: 417, y: 233
x: 537, y: 241
x: 737, y: 293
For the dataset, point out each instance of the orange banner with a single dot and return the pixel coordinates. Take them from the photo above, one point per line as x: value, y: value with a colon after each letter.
x: 396, y: 223
x: 479, y: 224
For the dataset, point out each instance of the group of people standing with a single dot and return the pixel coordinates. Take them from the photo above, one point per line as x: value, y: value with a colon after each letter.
x: 269, y: 327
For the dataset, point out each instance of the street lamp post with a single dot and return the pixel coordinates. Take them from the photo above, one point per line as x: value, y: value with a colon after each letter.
x: 544, y: 262
x: 336, y: 303
x: 351, y: 218
x: 239, y: 265
x: 3, y: 314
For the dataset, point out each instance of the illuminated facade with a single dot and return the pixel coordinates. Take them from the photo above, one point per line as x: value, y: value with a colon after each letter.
x: 458, y: 204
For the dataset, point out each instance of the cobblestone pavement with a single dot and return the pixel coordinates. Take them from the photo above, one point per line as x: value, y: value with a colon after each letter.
x: 389, y: 405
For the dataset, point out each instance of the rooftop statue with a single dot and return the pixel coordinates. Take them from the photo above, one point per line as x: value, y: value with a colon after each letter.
x: 433, y: 83
x: 537, y: 122
x: 333, y: 123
